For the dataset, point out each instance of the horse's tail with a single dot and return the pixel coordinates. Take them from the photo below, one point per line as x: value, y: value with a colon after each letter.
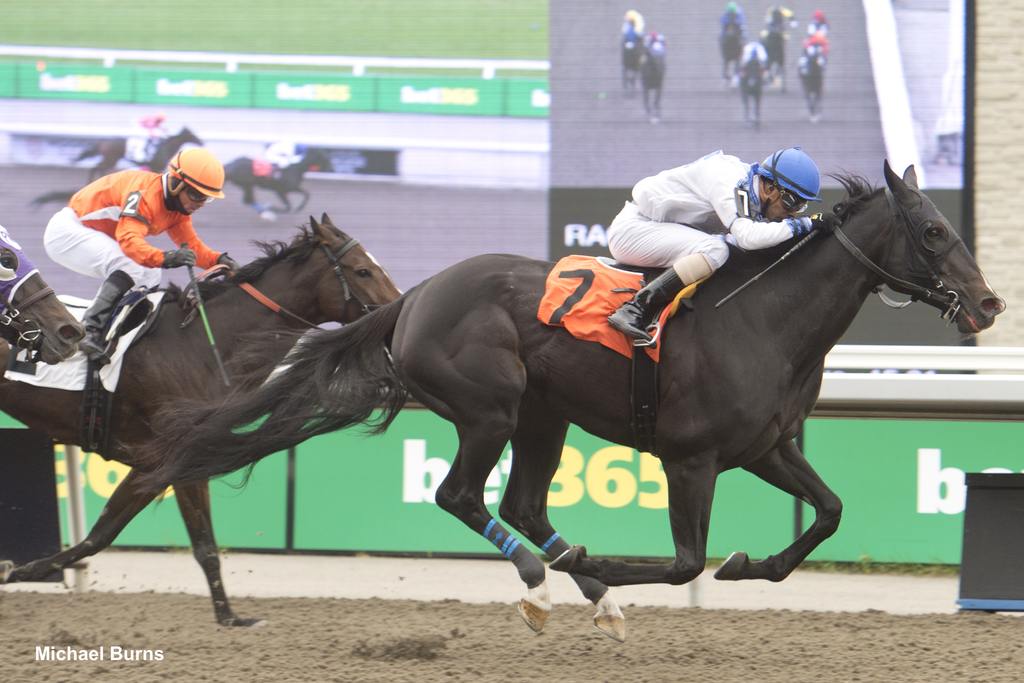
x: 331, y: 379
x: 62, y: 196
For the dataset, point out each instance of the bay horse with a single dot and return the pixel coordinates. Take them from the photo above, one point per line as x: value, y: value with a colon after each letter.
x: 652, y: 77
x: 240, y: 172
x: 31, y: 316
x: 735, y: 385
x: 322, y: 275
x: 751, y: 77
x: 113, y: 150
x: 730, y: 44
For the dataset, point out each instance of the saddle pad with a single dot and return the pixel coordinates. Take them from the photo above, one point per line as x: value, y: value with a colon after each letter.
x: 582, y: 291
x: 70, y: 374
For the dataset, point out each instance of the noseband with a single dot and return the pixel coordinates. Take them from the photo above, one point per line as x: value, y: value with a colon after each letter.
x: 938, y: 294
x: 29, y: 333
x: 335, y: 258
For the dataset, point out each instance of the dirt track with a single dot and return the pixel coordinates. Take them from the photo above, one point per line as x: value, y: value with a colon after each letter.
x: 392, y: 640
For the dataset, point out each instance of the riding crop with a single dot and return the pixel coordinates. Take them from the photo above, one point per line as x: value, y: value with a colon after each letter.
x: 811, y: 235
x: 206, y: 324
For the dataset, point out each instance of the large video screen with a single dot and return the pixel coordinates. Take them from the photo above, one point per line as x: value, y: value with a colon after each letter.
x: 420, y: 126
x: 640, y: 87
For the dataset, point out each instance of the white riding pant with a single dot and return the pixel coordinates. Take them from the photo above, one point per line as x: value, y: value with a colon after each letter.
x: 635, y: 239
x: 91, y: 252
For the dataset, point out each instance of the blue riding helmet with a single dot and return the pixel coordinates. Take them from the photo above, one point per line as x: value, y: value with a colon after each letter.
x: 794, y: 170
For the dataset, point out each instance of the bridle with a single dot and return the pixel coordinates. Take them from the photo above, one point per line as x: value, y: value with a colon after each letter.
x: 29, y: 333
x: 334, y: 257
x: 918, y: 264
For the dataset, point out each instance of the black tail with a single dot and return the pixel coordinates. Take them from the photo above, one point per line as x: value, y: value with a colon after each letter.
x: 333, y: 379
x: 62, y: 196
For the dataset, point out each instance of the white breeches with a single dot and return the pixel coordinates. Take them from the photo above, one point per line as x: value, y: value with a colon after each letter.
x: 635, y: 239
x: 91, y: 252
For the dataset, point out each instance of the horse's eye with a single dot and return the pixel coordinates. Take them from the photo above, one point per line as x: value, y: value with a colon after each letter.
x: 9, y: 260
x: 364, y: 272
x: 934, y: 232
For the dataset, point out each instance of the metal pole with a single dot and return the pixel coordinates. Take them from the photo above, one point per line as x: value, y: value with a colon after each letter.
x: 76, y: 512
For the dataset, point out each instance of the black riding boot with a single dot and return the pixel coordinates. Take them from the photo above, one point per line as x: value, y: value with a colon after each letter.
x: 95, y: 319
x: 633, y: 317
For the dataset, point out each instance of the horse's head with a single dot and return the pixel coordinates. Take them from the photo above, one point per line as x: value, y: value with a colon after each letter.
x: 31, y: 317
x: 354, y: 283
x: 928, y: 260
x: 186, y: 136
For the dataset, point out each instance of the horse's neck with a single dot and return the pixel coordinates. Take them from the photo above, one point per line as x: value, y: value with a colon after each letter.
x: 812, y: 306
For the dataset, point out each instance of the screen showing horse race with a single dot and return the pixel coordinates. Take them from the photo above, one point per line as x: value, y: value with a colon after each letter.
x: 641, y: 87
x: 475, y: 128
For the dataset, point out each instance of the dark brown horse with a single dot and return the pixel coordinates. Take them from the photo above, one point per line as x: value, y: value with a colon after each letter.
x: 31, y: 317
x: 322, y: 275
x: 112, y: 151
x: 735, y: 383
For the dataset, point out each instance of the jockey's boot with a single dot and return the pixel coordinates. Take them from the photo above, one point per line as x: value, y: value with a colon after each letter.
x: 633, y: 317
x: 95, y: 319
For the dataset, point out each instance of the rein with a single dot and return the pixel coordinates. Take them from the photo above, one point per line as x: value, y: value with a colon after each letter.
x: 335, y: 259
x: 939, y: 295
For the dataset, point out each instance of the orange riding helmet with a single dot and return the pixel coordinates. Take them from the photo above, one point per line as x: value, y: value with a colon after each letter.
x: 200, y: 169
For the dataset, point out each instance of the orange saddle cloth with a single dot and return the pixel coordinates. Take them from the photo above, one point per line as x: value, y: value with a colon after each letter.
x: 582, y: 291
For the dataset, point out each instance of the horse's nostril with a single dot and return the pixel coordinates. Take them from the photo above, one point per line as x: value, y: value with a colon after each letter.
x: 993, y: 305
x: 71, y: 332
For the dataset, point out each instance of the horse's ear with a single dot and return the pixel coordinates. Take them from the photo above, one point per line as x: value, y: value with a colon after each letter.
x: 910, y: 176
x: 904, y: 190
x: 326, y: 219
x: 313, y: 224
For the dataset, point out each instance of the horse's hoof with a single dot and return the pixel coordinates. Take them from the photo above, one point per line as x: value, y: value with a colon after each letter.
x: 609, y: 619
x: 241, y: 621
x: 534, y: 615
x: 568, y: 559
x: 6, y: 567
x: 732, y: 568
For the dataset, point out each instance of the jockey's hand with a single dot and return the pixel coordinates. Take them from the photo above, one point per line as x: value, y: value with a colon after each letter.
x: 800, y: 226
x: 179, y: 257
x: 824, y: 222
x: 231, y: 263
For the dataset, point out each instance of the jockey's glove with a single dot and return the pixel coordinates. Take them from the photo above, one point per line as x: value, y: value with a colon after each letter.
x: 179, y: 257
x: 824, y: 222
x: 231, y: 263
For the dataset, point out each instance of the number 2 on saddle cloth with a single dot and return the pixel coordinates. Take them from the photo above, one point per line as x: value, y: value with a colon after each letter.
x: 582, y: 291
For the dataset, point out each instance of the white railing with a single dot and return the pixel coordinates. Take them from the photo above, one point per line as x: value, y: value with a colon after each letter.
x: 235, y: 135
x: 232, y: 60
x: 971, y: 382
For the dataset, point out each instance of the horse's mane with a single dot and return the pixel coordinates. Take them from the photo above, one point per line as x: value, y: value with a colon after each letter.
x: 299, y: 249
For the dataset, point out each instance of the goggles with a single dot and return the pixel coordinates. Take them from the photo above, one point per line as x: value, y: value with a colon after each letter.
x: 790, y: 202
x: 195, y: 195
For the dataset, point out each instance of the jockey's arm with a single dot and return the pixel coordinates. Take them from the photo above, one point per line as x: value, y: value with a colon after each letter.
x: 131, y: 233
x: 183, y: 233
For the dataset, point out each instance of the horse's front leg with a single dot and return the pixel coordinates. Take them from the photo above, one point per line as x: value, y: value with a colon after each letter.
x: 537, y: 445
x: 786, y: 468
x: 691, y: 485
x: 305, y: 198
x: 126, y: 502
x: 194, y: 504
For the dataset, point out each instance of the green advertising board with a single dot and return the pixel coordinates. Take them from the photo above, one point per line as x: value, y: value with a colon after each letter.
x: 8, y: 80
x: 65, y: 81
x: 378, y: 495
x: 249, y: 517
x: 464, y: 96
x: 207, y: 88
x: 314, y: 91
x: 527, y: 98
x: 902, y: 483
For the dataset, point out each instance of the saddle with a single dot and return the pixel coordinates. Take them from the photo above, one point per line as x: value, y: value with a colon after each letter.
x: 580, y: 293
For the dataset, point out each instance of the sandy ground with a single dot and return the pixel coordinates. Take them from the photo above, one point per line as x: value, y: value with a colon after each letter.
x: 380, y: 619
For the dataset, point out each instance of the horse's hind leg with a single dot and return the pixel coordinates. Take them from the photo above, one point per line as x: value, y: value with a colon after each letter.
x: 126, y: 502
x: 194, y: 504
x: 787, y: 469
x: 536, y: 452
